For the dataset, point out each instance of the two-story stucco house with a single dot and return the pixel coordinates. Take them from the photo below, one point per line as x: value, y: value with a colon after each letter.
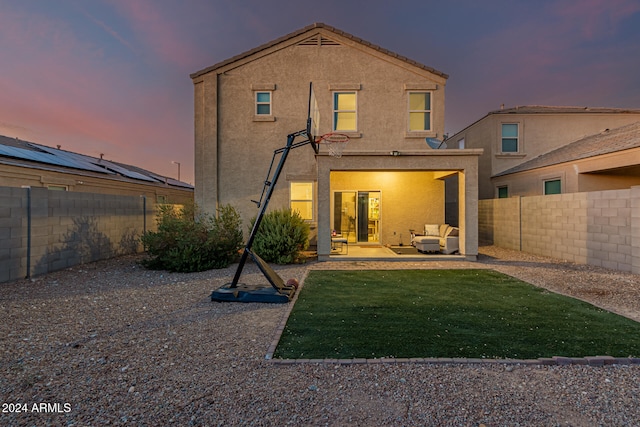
x: 512, y: 137
x: 388, y: 180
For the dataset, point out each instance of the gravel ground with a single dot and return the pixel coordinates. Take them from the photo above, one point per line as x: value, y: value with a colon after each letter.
x: 111, y: 343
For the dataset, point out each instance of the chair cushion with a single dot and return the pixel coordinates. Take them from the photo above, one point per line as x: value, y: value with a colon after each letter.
x: 443, y: 230
x: 426, y: 239
x: 431, y: 230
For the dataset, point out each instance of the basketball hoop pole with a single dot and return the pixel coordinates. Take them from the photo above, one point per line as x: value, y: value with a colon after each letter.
x: 269, y: 186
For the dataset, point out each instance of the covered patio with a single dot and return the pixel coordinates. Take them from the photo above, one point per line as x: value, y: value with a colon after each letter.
x: 375, y: 200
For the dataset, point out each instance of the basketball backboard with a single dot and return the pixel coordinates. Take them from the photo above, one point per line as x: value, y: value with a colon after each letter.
x: 313, y: 119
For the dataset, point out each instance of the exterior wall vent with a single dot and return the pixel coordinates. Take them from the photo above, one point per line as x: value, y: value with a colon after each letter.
x: 318, y: 40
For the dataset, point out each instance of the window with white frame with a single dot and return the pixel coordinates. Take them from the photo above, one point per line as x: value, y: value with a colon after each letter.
x: 301, y: 198
x: 263, y: 103
x: 510, y: 138
x: 419, y: 111
x: 461, y: 144
x: 345, y: 111
x: 552, y: 186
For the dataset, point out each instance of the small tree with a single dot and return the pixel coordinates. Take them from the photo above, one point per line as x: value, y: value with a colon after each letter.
x: 283, y: 234
x: 188, y: 240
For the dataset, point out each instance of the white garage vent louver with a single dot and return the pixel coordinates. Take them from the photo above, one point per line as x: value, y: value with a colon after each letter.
x: 318, y: 40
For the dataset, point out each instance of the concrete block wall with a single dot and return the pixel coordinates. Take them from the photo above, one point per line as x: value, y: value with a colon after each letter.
x: 43, y: 230
x: 635, y: 229
x: 485, y: 220
x: 499, y: 222
x: 609, y: 239
x: 599, y: 228
x: 507, y: 235
x: 555, y: 226
x: 13, y: 235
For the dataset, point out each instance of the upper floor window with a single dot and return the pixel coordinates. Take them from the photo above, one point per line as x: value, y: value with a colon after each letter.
x: 419, y: 111
x: 553, y: 186
x: 510, y: 138
x: 301, y: 199
x: 461, y: 144
x: 263, y: 103
x: 345, y: 111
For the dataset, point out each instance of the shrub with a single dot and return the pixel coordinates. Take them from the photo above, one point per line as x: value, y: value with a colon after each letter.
x: 188, y: 240
x: 283, y: 234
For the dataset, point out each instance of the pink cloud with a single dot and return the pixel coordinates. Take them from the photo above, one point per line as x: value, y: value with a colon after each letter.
x: 159, y: 32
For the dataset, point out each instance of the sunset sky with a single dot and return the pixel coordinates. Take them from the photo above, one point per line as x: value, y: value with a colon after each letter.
x: 112, y: 76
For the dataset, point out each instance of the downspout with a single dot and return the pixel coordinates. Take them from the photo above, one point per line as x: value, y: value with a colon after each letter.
x: 217, y: 165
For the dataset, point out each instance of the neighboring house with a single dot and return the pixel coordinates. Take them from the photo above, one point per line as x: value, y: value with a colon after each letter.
x: 26, y: 164
x: 387, y: 182
x: 511, y: 137
x: 609, y: 160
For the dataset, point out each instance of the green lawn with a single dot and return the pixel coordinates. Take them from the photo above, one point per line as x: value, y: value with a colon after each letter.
x: 446, y: 313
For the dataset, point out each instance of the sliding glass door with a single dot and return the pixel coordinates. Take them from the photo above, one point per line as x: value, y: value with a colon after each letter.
x: 356, y: 215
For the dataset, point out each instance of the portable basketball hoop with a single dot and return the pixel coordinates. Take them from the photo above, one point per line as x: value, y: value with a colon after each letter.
x: 335, y: 142
x: 278, y: 291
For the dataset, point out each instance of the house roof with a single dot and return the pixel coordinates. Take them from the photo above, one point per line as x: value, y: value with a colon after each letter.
x: 548, y: 109
x: 608, y: 141
x: 309, y: 28
x: 31, y: 155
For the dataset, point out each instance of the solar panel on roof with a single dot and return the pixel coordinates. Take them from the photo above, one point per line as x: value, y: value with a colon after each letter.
x: 52, y: 156
x: 126, y: 172
x: 170, y: 181
x: 36, y: 156
x: 73, y: 160
x: 49, y: 156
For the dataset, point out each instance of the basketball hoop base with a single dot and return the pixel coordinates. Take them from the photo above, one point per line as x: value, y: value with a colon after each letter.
x: 276, y: 292
x: 245, y: 293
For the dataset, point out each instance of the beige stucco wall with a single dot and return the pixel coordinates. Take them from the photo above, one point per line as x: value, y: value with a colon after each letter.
x: 233, y: 147
x: 539, y: 134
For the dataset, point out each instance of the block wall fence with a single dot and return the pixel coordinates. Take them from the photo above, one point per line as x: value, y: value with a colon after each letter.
x: 599, y: 228
x: 43, y: 230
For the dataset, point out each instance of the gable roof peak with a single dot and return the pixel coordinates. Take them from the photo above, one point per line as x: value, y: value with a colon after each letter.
x: 310, y: 28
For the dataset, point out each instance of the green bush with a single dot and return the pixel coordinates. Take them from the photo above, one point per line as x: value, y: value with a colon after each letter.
x: 283, y: 234
x: 188, y: 240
